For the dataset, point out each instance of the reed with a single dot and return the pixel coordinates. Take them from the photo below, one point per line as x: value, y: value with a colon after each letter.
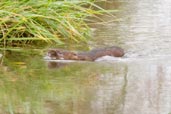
x: 25, y: 21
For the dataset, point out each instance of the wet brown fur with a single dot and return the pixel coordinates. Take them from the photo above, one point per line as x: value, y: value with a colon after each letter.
x: 86, y: 56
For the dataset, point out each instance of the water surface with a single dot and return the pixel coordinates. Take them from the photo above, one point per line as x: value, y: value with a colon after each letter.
x: 138, y: 83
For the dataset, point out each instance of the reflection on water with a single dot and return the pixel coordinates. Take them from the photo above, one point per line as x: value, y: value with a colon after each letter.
x: 137, y: 84
x: 147, y: 91
x: 144, y: 32
x: 29, y: 85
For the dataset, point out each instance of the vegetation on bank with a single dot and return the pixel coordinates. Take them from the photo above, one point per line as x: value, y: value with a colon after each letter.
x: 27, y: 21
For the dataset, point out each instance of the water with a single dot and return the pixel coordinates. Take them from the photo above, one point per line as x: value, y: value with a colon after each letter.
x: 138, y: 83
x: 144, y: 32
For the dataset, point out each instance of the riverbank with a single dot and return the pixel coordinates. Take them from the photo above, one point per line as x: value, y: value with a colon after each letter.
x: 29, y: 22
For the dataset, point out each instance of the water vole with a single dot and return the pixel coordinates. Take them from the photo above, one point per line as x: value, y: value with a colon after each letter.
x: 86, y: 56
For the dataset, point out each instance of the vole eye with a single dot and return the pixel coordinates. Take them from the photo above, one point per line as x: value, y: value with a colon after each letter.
x: 75, y: 54
x: 59, y: 53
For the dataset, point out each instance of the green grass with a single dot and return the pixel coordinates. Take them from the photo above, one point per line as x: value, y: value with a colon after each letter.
x: 27, y: 21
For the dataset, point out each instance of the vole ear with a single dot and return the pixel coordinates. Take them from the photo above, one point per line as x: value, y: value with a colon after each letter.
x: 52, y: 53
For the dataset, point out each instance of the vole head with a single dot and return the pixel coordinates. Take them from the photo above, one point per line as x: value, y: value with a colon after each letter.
x: 55, y: 54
